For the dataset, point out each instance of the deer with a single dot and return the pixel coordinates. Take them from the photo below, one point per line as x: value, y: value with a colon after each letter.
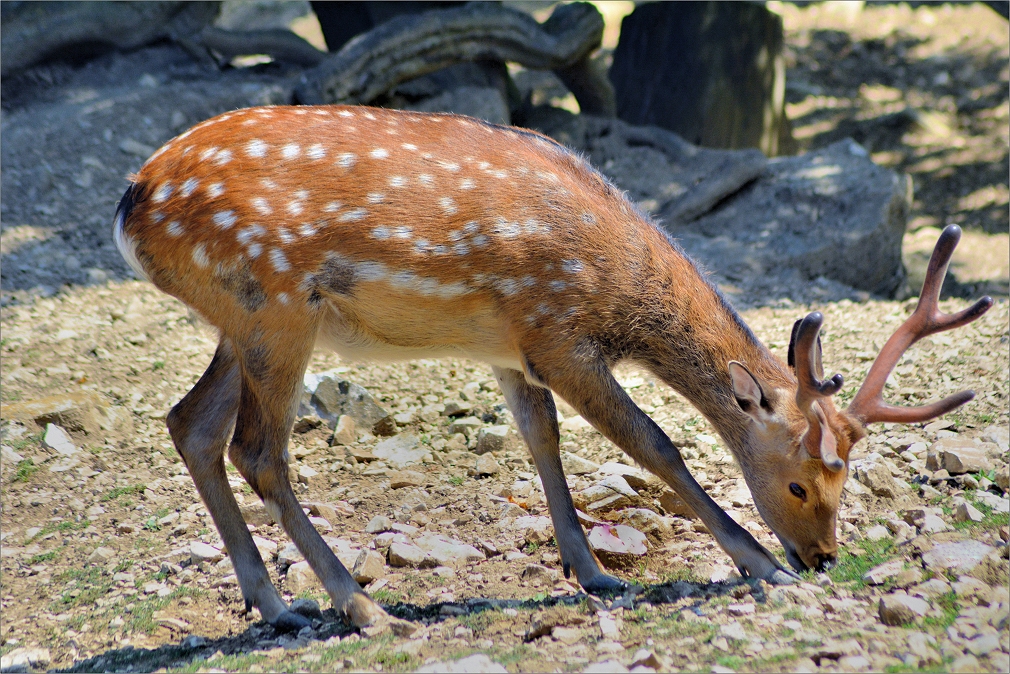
x: 385, y: 234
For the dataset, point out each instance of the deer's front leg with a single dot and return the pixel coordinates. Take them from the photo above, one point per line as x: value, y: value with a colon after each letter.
x: 533, y: 408
x: 199, y: 425
x: 593, y: 391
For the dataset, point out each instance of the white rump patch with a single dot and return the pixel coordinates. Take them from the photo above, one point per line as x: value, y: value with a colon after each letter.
x: 127, y: 247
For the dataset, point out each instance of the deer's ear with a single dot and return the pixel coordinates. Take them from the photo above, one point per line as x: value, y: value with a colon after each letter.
x: 748, y: 392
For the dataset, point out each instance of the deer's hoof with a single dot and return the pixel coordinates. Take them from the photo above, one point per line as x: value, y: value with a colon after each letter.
x: 604, y: 584
x: 781, y: 577
x: 364, y: 612
x: 289, y: 621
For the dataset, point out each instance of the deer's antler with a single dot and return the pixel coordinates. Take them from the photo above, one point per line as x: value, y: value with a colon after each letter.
x: 819, y: 441
x: 868, y: 405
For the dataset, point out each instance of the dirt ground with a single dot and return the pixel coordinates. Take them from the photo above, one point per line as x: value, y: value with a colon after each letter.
x: 98, y: 564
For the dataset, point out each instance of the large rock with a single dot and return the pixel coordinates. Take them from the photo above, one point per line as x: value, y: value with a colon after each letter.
x: 810, y: 228
x: 332, y: 397
x: 878, y: 479
x: 959, y: 455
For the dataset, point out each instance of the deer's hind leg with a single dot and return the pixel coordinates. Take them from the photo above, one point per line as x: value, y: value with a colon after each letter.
x: 272, y: 367
x: 199, y: 425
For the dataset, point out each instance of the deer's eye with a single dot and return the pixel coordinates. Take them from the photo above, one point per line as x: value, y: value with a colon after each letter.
x: 797, y: 491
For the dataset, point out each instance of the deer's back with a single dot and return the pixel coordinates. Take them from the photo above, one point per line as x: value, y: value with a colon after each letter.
x: 396, y: 231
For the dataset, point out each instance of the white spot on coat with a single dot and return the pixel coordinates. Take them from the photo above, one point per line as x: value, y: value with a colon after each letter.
x: 256, y: 148
x: 448, y: 205
x: 370, y: 271
x: 295, y: 207
x: 262, y: 206
x: 557, y: 286
x: 506, y: 229
x: 346, y: 160
x: 290, y: 151
x: 254, y: 250
x: 449, y: 165
x: 467, y: 184
x: 223, y: 157
x: 200, y: 258
x: 379, y: 153
x: 426, y: 180
x: 572, y: 266
x: 224, y: 219
x: 381, y: 233
x: 480, y: 241
x: 174, y: 228
x: 246, y: 235
x: 354, y: 215
x: 401, y: 232
x: 278, y: 260
x: 332, y: 207
x: 461, y: 249
x: 409, y: 146
x: 163, y: 192
x: 305, y: 229
x: 214, y: 190
x: 397, y: 181
x: 188, y: 187
x: 471, y: 227
x: 317, y: 151
x: 283, y: 298
x: 376, y: 197
x: 285, y: 236
x: 208, y: 153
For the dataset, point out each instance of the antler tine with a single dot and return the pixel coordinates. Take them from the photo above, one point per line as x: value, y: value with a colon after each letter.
x: 818, y: 440
x: 868, y: 405
x: 810, y: 387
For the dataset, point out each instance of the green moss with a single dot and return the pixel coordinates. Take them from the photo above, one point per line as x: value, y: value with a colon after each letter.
x: 123, y: 491
x: 851, y: 567
x: 25, y: 469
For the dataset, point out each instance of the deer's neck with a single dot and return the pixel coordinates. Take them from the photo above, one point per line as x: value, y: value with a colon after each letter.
x: 699, y: 334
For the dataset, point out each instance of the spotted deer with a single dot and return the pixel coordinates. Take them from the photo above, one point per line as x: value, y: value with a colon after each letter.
x: 385, y: 234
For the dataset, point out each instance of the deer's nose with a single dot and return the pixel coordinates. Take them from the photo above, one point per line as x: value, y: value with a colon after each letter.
x: 824, y: 560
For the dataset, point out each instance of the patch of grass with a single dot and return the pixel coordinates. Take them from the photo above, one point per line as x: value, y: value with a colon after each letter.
x: 229, y: 663
x: 390, y: 659
x: 141, y: 617
x: 479, y: 621
x: 157, y: 365
x: 387, y: 597
x: 43, y: 557
x: 151, y: 523
x: 734, y: 662
x: 456, y: 480
x: 793, y: 613
x: 123, y: 491
x: 850, y: 567
x: 950, y: 607
x: 61, y: 527
x: 84, y: 587
x: 17, y: 444
x: 990, y: 520
x: 25, y: 469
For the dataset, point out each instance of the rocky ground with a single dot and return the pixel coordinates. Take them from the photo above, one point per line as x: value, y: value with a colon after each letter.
x: 108, y: 560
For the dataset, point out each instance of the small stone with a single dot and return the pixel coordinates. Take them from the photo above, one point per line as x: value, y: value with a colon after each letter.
x: 932, y: 524
x: 401, y: 450
x: 496, y: 439
x: 307, y: 608
x: 23, y: 659
x: 961, y: 455
x: 921, y: 645
x: 202, y: 552
x: 478, y: 663
x: 448, y: 551
x: 931, y: 589
x: 306, y: 473
x: 962, y: 556
x: 539, y: 571
x: 101, y: 555
x: 369, y: 566
x: 488, y: 547
x: 966, y: 512
x: 456, y: 408
x: 966, y: 663
x: 300, y: 578
x: 576, y: 465
x: 617, y: 540
x: 378, y: 524
x: 406, y: 478
x: 740, y: 609
x: 486, y: 465
x: 466, y: 425
x: 878, y: 575
x: 567, y: 635
x: 405, y: 554
x: 345, y: 432
x: 901, y: 609
x: 56, y: 438
x: 877, y: 532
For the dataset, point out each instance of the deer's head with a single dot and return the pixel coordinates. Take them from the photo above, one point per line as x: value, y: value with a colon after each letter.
x: 803, y: 443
